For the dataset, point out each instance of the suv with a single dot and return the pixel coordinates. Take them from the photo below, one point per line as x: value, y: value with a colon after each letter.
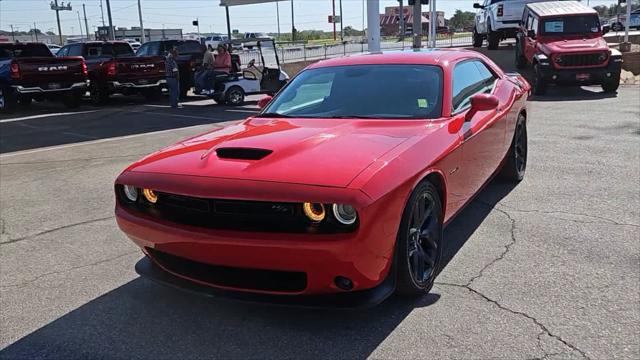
x: 114, y: 68
x: 618, y: 23
x: 30, y: 71
x: 563, y: 42
x: 497, y: 20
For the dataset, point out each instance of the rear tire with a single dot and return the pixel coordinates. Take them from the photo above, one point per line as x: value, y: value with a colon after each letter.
x: 234, y: 96
x: 152, y: 94
x: 516, y: 162
x: 419, y: 241
x: 477, y: 39
x: 98, y: 93
x: 493, y: 38
x: 219, y: 99
x: 7, y: 100
x: 539, y: 85
x: 25, y: 101
x: 72, y: 100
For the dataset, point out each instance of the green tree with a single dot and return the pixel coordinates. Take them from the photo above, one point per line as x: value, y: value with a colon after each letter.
x: 462, y: 19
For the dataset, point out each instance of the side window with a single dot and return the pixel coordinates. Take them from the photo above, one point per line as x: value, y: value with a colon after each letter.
x: 534, y: 25
x: 470, y: 78
x: 75, y: 50
x: 529, y: 21
x: 63, y: 52
x: 143, y: 50
x: 154, y: 48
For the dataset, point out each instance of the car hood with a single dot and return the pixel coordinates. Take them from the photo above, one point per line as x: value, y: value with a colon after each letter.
x: 324, y: 152
x: 575, y: 44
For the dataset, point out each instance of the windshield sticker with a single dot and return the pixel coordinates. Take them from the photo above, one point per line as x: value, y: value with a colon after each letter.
x: 422, y: 103
x: 554, y: 26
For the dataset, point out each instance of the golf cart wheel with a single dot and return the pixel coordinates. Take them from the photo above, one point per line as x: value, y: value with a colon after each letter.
x: 477, y: 39
x: 219, y: 99
x: 234, y: 96
x: 419, y: 241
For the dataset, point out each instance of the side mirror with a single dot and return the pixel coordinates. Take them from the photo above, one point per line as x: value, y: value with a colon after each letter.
x: 531, y: 34
x: 606, y: 28
x: 477, y: 6
x: 264, y: 101
x: 481, y: 102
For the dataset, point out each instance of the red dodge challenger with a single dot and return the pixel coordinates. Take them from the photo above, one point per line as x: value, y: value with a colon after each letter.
x: 337, y: 192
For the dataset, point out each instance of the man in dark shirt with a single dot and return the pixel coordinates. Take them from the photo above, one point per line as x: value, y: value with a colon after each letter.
x: 173, y: 77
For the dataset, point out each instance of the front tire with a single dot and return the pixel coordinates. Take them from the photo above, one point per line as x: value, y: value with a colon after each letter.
x: 419, y: 241
x: 539, y: 85
x: 516, y: 162
x: 493, y: 39
x: 611, y: 86
x: 234, y: 96
x: 521, y: 61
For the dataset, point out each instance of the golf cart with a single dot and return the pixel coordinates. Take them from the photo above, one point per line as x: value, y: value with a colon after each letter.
x: 261, y: 76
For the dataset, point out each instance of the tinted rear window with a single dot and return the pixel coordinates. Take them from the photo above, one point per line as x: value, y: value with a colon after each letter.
x: 106, y: 49
x: 26, y: 50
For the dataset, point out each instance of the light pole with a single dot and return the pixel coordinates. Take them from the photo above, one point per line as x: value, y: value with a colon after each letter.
x: 80, y: 25
x: 333, y: 18
x: 278, y: 18
x: 142, y: 39
x: 61, y: 7
x: 373, y: 25
x: 341, y: 29
x: 86, y: 24
x: 112, y: 35
x: 293, y: 27
x: 417, y: 24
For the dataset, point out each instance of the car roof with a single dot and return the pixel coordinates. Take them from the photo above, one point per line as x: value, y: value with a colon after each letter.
x: 422, y: 56
x: 559, y: 8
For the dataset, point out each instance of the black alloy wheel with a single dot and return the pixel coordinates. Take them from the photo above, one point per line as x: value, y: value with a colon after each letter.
x: 516, y: 162
x: 419, y: 247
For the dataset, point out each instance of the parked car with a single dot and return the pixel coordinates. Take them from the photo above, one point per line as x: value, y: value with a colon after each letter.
x: 497, y: 20
x: 249, y: 36
x: 135, y: 44
x: 213, y: 41
x: 618, y: 23
x: 337, y: 192
x: 114, y: 68
x: 190, y: 53
x: 30, y: 71
x: 54, y: 48
x: 563, y: 42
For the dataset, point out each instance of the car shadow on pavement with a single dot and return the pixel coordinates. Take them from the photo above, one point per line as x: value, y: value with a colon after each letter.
x: 141, y: 319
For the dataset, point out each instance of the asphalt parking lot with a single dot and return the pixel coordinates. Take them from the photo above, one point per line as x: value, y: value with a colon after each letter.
x: 546, y: 269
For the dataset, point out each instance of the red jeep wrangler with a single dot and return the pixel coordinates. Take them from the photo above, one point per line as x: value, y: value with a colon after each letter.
x: 563, y: 41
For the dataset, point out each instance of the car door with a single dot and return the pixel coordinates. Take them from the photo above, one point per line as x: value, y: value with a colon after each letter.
x: 530, y: 42
x: 481, y: 17
x: 484, y: 134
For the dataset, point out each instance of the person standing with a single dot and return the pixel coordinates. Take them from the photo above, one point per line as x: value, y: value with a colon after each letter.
x: 173, y: 77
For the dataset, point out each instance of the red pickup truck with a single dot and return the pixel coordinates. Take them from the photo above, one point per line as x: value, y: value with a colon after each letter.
x: 563, y: 41
x: 29, y: 71
x: 114, y: 68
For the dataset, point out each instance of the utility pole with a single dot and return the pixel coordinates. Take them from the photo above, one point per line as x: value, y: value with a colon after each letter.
x: 401, y: 21
x: 112, y: 34
x: 277, y: 16
x: 373, y: 25
x: 627, y: 22
x: 341, y: 29
x: 333, y: 18
x: 80, y: 25
x: 102, y: 13
x: 35, y: 31
x: 86, y: 24
x: 226, y: 9
x: 13, y: 35
x: 433, y: 22
x: 0, y: 14
x: 417, y: 24
x: 62, y: 7
x: 142, y: 39
x: 293, y: 27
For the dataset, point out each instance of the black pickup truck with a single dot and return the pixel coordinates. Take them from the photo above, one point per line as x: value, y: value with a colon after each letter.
x: 29, y: 71
x: 114, y: 68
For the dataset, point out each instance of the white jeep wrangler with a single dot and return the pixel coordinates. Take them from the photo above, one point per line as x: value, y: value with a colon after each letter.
x: 497, y: 20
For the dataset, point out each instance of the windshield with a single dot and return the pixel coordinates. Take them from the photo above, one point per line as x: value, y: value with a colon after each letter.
x: 362, y: 91
x: 583, y: 24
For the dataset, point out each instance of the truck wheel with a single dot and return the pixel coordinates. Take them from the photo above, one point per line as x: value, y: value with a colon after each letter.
x: 152, y: 94
x: 234, y: 96
x: 493, y: 38
x: 72, y: 100
x: 477, y: 39
x: 611, y: 86
x: 539, y: 85
x: 25, y: 101
x: 7, y: 100
x: 617, y: 26
x: 521, y: 61
x: 98, y: 94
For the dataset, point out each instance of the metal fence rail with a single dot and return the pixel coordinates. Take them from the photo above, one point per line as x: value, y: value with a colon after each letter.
x: 303, y: 52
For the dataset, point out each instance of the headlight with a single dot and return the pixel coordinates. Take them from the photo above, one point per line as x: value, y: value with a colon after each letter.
x: 345, y: 214
x: 131, y: 192
x: 314, y: 211
x: 150, y: 195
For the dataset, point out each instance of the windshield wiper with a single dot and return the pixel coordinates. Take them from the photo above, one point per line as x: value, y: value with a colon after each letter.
x: 273, y: 115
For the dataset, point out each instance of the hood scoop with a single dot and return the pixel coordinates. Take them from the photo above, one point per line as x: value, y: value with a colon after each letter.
x: 242, y: 153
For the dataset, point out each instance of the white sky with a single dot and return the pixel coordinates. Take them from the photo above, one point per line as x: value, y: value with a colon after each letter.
x: 309, y: 14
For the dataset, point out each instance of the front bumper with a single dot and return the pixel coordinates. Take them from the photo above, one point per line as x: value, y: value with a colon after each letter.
x: 131, y: 85
x: 37, y: 89
x: 575, y: 76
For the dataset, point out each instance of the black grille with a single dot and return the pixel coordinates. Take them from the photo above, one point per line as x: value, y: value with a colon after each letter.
x: 240, y: 278
x: 582, y: 60
x: 242, y: 153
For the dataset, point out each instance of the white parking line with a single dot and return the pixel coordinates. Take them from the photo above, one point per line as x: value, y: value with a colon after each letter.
x: 172, y: 115
x: 46, y: 115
